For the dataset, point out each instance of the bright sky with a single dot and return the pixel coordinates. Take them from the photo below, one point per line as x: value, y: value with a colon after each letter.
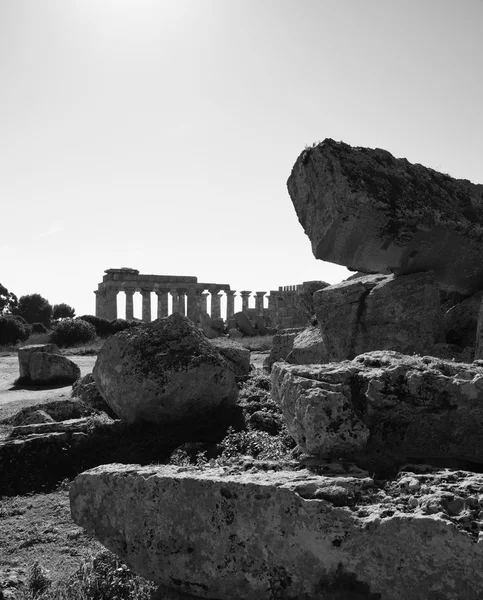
x: 159, y: 134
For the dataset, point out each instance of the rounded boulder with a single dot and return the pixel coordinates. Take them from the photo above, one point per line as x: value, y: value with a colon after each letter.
x: 163, y: 372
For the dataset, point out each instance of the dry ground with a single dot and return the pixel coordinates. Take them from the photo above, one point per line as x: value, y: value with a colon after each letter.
x: 38, y: 527
x: 12, y: 399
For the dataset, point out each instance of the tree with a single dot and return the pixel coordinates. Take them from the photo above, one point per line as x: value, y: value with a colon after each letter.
x: 8, y: 301
x: 63, y: 311
x: 34, y: 309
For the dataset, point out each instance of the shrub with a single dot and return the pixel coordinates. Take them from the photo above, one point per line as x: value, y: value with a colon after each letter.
x: 119, y: 325
x: 63, y: 311
x: 34, y: 309
x: 39, y: 328
x: 102, y: 326
x: 18, y: 318
x: 122, y: 324
x: 257, y: 444
x: 72, y: 331
x: 12, y: 331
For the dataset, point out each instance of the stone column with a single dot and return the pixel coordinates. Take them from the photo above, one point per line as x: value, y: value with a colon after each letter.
x: 245, y: 297
x: 215, y: 303
x: 230, y: 304
x: 259, y: 302
x: 110, y: 304
x: 146, y: 294
x: 129, y: 304
x: 174, y: 295
x: 204, y: 302
x: 99, y: 303
x: 162, y: 304
x: 182, y: 302
x: 273, y: 306
x: 192, y: 305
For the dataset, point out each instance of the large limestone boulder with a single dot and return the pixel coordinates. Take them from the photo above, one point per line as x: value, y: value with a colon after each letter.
x: 163, y: 372
x: 45, y: 368
x: 260, y: 535
x: 371, y: 212
x: 25, y: 353
x: 384, y: 408
x: 308, y: 348
x: 380, y: 312
x: 43, y: 364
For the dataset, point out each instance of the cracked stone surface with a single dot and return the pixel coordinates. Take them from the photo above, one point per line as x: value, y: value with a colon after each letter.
x: 372, y: 212
x: 384, y: 407
x: 228, y: 533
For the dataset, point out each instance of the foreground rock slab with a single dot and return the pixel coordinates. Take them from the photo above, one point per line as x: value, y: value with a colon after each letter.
x: 384, y: 408
x: 227, y: 534
x: 371, y: 212
x: 165, y: 372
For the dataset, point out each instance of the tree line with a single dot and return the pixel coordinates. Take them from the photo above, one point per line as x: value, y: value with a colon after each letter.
x: 34, y: 308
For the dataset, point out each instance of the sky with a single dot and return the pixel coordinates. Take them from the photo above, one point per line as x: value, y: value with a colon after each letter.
x: 159, y: 134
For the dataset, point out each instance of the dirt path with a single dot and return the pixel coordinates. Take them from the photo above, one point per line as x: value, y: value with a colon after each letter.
x: 13, y: 399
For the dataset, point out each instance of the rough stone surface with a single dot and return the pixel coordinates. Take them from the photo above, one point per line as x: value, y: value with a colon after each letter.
x: 47, y: 368
x: 237, y: 357
x: 223, y: 533
x: 163, y: 372
x: 86, y: 389
x: 58, y: 410
x: 461, y: 321
x: 282, y: 345
x: 384, y: 408
x: 37, y: 416
x: 243, y: 324
x: 69, y: 426
x: 26, y: 352
x: 380, y: 312
x: 374, y: 213
x: 308, y: 348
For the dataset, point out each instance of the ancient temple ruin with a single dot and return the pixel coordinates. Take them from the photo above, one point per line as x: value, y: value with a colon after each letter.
x: 190, y: 297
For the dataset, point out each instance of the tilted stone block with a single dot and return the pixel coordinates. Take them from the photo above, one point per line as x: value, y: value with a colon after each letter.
x: 371, y: 212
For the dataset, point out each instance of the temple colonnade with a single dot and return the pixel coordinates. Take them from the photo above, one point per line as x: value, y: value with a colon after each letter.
x: 184, y: 295
x: 189, y: 297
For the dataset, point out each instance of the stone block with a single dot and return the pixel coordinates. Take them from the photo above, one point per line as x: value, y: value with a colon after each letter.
x: 366, y: 210
x: 260, y: 535
x: 380, y: 312
x: 243, y: 324
x: 384, y: 408
x: 26, y: 352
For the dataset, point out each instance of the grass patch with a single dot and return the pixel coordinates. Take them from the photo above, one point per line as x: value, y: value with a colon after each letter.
x: 104, y: 577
